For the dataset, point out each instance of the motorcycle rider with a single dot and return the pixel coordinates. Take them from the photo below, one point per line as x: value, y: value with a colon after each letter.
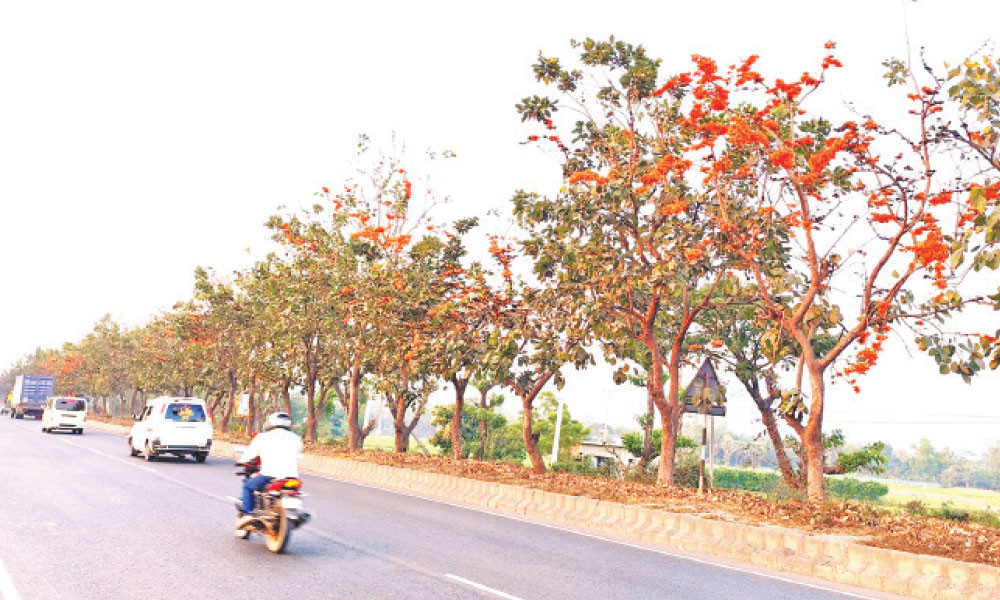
x: 279, y: 450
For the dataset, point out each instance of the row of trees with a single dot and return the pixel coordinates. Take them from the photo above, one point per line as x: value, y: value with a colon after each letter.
x: 706, y: 213
x: 924, y: 462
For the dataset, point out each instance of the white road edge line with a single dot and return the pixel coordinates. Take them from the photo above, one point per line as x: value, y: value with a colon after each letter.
x: 721, y: 565
x: 481, y: 587
x: 7, y: 589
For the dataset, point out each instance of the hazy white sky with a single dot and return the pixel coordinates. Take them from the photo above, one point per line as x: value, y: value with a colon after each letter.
x: 140, y: 139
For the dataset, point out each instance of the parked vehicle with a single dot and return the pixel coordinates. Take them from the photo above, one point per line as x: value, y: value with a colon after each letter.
x: 29, y: 395
x: 168, y: 425
x: 62, y: 412
x: 278, y: 509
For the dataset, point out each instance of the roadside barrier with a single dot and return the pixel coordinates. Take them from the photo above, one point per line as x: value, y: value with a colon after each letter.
x: 835, y: 558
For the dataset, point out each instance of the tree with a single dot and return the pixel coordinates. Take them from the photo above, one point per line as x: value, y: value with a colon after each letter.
x: 852, y: 220
x: 754, y: 351
x: 632, y: 239
x: 927, y: 463
x: 535, y: 334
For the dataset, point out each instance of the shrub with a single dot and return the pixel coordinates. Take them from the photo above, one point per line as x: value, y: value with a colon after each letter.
x: 915, y: 507
x: 948, y: 511
x: 687, y: 467
x: 846, y: 488
x: 585, y: 467
x: 741, y: 479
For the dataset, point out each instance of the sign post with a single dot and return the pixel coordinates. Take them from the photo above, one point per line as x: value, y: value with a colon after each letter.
x: 706, y: 396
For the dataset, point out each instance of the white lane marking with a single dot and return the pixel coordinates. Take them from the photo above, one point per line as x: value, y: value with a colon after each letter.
x: 144, y: 467
x: 721, y: 565
x: 481, y: 587
x: 7, y: 589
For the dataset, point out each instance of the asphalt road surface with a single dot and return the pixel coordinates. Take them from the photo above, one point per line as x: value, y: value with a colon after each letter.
x: 82, y: 519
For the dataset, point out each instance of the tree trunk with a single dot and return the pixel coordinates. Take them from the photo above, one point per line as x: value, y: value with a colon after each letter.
x: 399, y: 422
x: 456, y: 419
x: 528, y: 396
x: 232, y: 401
x: 310, y: 405
x: 530, y: 438
x: 355, y: 439
x: 669, y: 413
x: 133, y: 409
x: 317, y: 408
x: 791, y: 477
x: 286, y: 397
x: 483, y: 433
x: 812, y: 440
x: 670, y: 422
x: 214, y: 406
x: 647, y: 431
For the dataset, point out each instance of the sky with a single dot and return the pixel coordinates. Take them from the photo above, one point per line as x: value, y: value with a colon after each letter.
x: 139, y: 140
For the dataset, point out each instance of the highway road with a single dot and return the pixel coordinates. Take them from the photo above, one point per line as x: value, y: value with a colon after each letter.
x: 82, y: 519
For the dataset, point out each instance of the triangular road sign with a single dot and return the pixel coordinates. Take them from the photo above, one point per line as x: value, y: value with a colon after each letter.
x: 704, y: 394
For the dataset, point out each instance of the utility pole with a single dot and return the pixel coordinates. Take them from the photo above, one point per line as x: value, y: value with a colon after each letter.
x: 555, y: 441
x: 704, y: 453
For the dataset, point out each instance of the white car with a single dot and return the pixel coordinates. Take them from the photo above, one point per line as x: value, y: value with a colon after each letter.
x: 178, y: 426
x: 62, y: 412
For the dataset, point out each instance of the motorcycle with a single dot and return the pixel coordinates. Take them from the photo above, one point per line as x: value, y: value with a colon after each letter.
x: 277, y: 509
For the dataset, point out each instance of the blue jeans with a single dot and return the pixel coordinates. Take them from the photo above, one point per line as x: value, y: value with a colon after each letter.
x: 251, y: 485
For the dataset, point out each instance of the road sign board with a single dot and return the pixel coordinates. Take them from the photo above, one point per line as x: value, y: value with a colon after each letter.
x: 704, y: 394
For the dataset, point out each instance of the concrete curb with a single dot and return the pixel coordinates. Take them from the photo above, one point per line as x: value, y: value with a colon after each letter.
x: 825, y: 557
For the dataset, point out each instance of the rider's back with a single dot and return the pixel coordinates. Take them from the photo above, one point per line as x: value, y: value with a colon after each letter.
x: 279, y: 450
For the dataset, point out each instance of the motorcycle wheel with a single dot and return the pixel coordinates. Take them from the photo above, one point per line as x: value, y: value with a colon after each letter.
x: 277, y: 538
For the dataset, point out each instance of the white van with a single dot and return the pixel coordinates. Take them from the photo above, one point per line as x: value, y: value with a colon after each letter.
x: 63, y: 412
x: 178, y: 426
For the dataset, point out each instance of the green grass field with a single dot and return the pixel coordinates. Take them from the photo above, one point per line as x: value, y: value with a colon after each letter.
x: 967, y: 498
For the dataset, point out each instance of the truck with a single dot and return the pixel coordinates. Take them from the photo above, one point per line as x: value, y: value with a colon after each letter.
x: 29, y: 395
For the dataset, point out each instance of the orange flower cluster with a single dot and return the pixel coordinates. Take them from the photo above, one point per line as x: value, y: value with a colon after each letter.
x: 289, y: 237
x: 942, y: 198
x: 694, y: 254
x: 682, y: 80
x: 674, y: 207
x: 991, y: 192
x: 587, y: 175
x: 884, y: 217
x: 741, y: 133
x: 783, y: 158
x: 830, y: 61
x: 867, y: 357
x: 503, y: 255
x: 745, y: 74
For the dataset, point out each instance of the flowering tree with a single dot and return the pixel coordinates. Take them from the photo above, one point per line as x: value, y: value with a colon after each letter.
x: 632, y: 240
x: 968, y: 128
x: 853, y: 220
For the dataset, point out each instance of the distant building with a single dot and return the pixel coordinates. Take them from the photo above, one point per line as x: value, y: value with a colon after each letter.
x: 602, y: 449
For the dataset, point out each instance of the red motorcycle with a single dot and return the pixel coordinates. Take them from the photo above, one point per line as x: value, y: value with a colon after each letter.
x: 277, y: 509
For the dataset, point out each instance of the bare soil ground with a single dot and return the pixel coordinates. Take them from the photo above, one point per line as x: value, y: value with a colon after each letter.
x: 875, y: 526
